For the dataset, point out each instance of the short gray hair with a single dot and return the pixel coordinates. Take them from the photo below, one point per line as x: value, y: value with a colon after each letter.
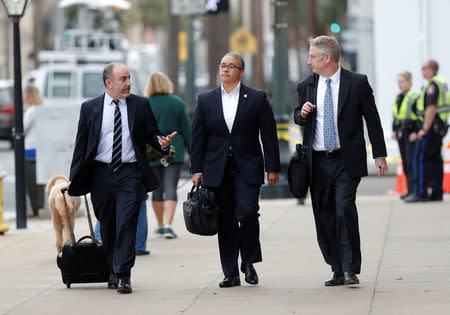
x: 327, y: 45
x: 238, y: 57
x: 108, y: 72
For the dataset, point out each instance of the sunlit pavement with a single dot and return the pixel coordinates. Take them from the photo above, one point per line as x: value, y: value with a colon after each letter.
x: 406, y: 267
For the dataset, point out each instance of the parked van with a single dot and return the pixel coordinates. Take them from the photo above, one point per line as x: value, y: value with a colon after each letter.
x: 71, y: 84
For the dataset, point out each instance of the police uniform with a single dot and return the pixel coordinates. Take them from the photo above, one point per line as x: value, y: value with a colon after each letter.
x: 430, y: 165
x: 405, y: 123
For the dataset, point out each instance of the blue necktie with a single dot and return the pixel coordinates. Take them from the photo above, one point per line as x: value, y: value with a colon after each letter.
x: 329, y: 136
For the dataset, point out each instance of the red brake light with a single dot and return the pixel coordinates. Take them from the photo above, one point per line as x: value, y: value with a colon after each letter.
x: 8, y: 109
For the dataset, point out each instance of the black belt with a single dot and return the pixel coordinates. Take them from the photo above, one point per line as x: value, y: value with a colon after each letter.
x: 328, y: 154
x: 108, y: 165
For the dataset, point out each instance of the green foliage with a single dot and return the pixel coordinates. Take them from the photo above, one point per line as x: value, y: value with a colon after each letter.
x: 148, y: 12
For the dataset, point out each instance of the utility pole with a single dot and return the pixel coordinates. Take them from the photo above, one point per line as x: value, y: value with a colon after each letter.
x: 257, y: 30
x: 280, y: 61
x: 190, y: 64
x: 172, y: 51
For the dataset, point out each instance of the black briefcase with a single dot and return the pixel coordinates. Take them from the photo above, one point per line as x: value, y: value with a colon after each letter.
x: 82, y: 261
x: 201, y: 212
x: 298, y: 172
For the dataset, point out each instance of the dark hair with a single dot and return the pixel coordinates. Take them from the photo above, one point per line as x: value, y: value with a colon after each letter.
x: 108, y: 72
x: 238, y: 57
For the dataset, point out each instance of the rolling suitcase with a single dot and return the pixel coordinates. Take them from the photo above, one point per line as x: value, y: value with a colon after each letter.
x: 82, y: 261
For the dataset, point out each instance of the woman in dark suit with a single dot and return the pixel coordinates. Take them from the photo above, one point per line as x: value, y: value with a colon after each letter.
x: 226, y: 156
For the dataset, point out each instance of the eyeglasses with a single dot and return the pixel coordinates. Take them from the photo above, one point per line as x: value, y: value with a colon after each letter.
x: 230, y: 67
x: 314, y: 57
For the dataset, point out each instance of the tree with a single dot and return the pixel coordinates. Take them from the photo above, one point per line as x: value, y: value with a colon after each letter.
x: 218, y: 33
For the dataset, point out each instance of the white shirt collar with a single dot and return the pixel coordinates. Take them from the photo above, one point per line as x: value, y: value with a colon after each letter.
x: 334, y: 78
x: 109, y: 99
x: 235, y: 90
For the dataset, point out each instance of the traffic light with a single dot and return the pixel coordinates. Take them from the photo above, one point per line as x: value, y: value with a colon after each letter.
x: 216, y: 6
x: 335, y: 28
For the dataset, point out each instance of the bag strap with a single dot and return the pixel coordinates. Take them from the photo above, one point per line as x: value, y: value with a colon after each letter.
x: 91, y: 230
x: 72, y: 236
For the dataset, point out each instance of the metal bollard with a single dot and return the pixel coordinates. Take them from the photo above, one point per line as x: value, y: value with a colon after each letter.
x: 3, y: 227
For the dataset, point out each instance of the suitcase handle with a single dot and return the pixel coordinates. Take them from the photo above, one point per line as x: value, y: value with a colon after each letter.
x: 91, y: 230
x: 72, y: 236
x: 94, y: 240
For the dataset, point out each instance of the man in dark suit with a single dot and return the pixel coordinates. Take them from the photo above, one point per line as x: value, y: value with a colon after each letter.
x: 110, y: 162
x: 332, y: 104
x: 226, y: 156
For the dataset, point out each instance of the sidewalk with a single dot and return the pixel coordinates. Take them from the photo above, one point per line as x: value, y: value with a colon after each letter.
x: 406, y: 268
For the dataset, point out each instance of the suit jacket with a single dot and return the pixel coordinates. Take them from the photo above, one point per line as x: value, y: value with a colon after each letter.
x: 143, y: 129
x: 211, y: 138
x: 355, y: 101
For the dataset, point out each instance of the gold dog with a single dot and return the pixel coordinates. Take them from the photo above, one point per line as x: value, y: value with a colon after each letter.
x: 58, y: 211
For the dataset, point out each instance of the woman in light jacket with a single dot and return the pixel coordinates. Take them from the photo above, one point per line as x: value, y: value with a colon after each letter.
x: 32, y: 98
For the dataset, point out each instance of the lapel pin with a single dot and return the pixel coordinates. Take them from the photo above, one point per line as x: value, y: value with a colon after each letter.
x: 245, y: 95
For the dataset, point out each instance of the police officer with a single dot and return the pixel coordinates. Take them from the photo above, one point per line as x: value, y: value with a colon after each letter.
x: 433, y: 108
x: 406, y: 123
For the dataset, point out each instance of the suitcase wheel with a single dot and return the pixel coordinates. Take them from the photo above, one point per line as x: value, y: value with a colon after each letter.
x: 68, y: 285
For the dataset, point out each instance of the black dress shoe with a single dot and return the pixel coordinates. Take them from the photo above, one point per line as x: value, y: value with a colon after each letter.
x: 350, y: 278
x: 413, y: 198
x: 229, y: 282
x: 124, y: 285
x: 113, y: 281
x: 251, y: 276
x: 142, y: 252
x: 404, y: 196
x: 336, y: 279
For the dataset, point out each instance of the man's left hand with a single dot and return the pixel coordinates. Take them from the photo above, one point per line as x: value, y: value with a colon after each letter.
x: 382, y: 166
x: 272, y: 178
x: 164, y: 142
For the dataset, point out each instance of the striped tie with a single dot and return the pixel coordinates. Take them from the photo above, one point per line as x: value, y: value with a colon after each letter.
x: 329, y: 136
x: 116, y: 160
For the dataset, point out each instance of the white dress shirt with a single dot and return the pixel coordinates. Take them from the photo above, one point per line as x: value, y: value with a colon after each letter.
x: 29, y: 128
x: 229, y: 104
x: 104, y: 151
x: 319, y: 143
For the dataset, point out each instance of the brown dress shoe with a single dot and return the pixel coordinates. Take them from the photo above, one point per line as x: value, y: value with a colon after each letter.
x: 336, y: 279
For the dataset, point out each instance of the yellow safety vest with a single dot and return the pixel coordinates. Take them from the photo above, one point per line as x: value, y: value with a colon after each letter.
x: 443, y: 102
x: 404, y: 111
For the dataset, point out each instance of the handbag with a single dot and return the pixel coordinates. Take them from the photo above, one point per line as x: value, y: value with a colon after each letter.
x: 201, y: 212
x: 298, y: 172
x: 154, y: 155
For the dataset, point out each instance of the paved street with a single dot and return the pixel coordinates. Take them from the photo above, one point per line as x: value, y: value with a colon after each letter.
x: 406, y: 268
x: 406, y: 264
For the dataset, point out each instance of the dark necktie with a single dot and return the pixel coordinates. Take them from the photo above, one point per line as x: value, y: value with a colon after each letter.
x: 116, y: 159
x: 329, y: 136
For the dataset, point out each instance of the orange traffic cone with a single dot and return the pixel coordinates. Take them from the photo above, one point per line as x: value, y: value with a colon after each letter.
x: 401, y: 187
x: 446, y: 180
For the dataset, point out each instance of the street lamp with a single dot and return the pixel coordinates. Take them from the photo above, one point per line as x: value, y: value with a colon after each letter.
x: 15, y: 10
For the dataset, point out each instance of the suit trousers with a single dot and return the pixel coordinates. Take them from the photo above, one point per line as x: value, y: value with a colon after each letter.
x: 117, y: 197
x: 407, y: 152
x: 430, y: 166
x: 237, y: 233
x: 333, y: 194
x: 35, y: 191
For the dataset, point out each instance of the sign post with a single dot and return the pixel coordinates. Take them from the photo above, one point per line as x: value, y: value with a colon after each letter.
x: 189, y: 8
